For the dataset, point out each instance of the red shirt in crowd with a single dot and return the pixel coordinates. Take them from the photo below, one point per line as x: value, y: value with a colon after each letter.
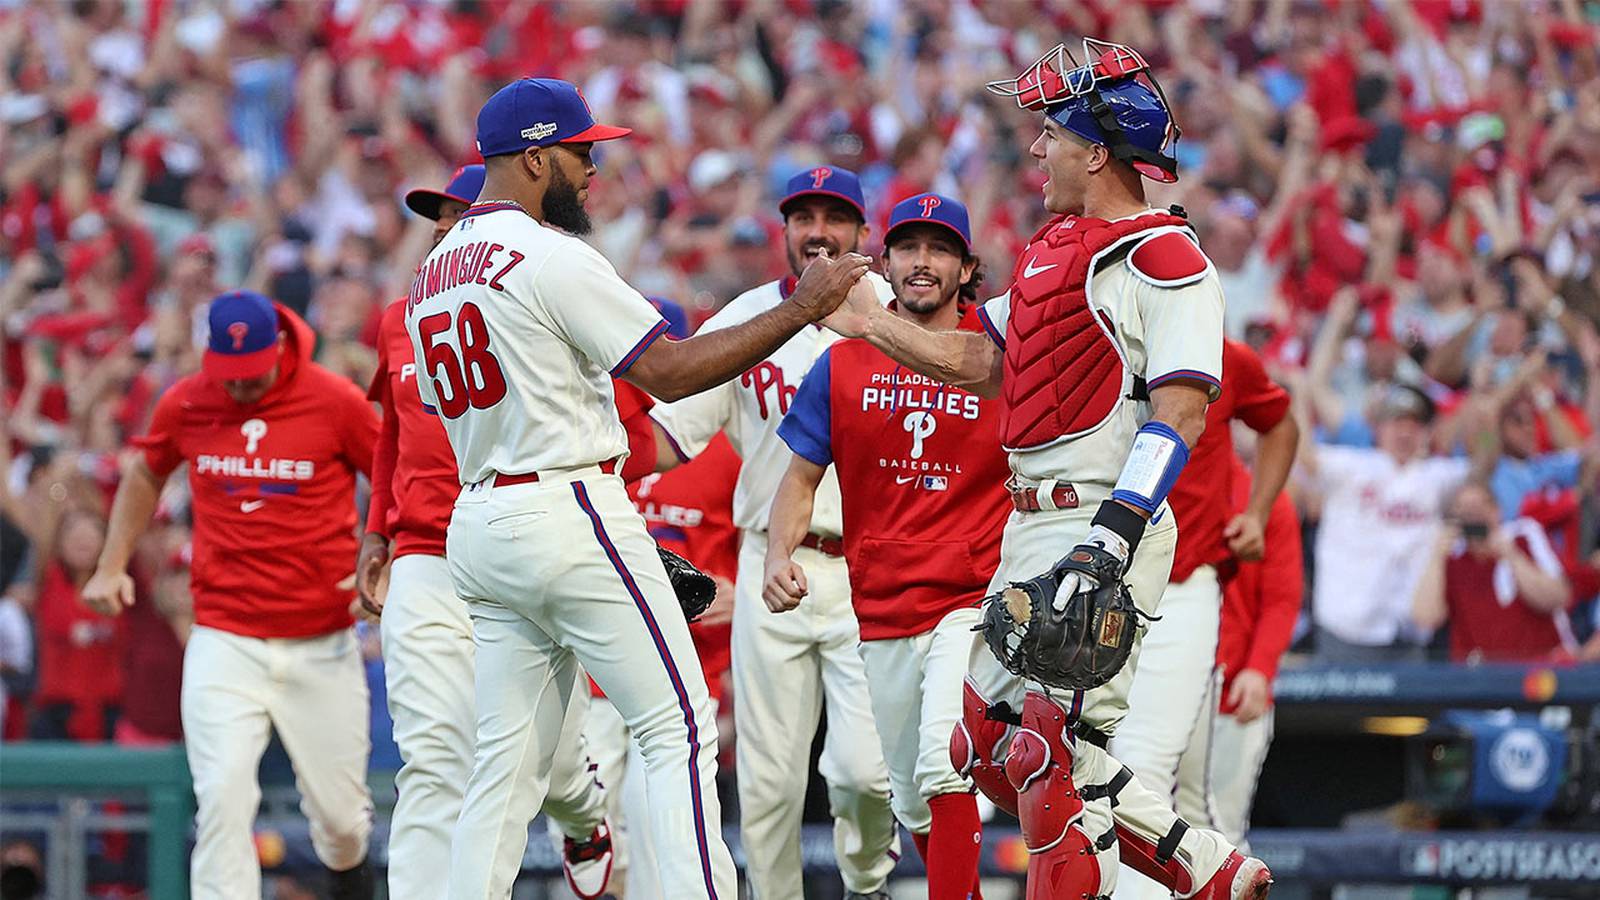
x: 274, y: 492
x: 1489, y: 619
x: 414, y: 480
x: 922, y: 478
x: 79, y: 652
x: 1262, y: 601
x: 1200, y: 498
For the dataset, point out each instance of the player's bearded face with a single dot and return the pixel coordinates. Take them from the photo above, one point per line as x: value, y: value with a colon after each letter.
x: 926, y: 267
x: 563, y: 207
x: 814, y: 224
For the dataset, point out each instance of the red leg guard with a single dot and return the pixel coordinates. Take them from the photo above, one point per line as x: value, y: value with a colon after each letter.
x: 1061, y: 861
x: 1145, y: 858
x: 975, y: 746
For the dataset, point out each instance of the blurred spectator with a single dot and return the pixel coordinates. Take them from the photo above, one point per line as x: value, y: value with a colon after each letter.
x: 21, y: 871
x: 80, y: 678
x: 1380, y: 508
x: 1497, y: 585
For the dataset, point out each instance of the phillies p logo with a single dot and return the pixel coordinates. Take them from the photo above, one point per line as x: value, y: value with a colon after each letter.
x: 928, y: 204
x: 238, y: 331
x: 919, y: 423
x: 819, y: 175
x: 253, y: 430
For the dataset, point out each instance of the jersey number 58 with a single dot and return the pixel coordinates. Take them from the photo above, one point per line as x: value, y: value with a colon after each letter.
x: 473, y: 375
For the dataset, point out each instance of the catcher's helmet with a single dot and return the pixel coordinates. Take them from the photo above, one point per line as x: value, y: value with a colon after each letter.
x: 1113, y: 99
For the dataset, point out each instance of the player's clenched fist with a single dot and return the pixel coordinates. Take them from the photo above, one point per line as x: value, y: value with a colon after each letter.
x: 826, y: 281
x: 785, y: 585
x: 109, y: 593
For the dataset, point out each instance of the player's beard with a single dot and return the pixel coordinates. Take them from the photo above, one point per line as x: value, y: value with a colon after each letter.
x: 562, y: 207
x: 923, y: 306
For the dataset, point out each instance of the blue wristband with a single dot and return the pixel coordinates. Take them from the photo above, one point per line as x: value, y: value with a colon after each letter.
x: 1158, y: 456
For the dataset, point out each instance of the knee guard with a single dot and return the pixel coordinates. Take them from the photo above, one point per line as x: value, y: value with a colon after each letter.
x: 979, y: 738
x: 1062, y: 863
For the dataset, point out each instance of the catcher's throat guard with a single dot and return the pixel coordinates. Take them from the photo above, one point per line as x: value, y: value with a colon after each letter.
x: 1111, y: 98
x: 1077, y: 648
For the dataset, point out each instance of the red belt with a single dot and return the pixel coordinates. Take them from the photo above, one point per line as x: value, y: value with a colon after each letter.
x: 826, y: 546
x: 1026, y: 499
x: 609, y: 467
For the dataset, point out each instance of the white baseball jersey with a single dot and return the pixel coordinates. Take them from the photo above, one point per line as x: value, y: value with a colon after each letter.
x: 750, y: 407
x: 517, y: 330
x: 1377, y: 520
x: 1159, y: 331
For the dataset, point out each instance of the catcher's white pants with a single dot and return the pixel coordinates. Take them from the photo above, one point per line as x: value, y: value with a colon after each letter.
x: 428, y: 669
x: 236, y: 690
x: 916, y: 700
x: 1032, y: 543
x: 556, y: 573
x: 785, y: 665
x: 1231, y: 761
x: 1172, y: 700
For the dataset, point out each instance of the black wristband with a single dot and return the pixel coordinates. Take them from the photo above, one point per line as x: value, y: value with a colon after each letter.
x: 1126, y: 523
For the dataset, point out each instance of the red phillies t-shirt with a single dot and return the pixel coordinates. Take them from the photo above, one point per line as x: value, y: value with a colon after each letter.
x: 1262, y: 601
x: 1493, y: 623
x: 78, y: 656
x: 414, y: 480
x: 274, y: 492
x: 922, y: 479
x: 689, y: 510
x: 1201, y: 498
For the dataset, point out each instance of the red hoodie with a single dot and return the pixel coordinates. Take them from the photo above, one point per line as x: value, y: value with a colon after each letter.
x: 274, y: 492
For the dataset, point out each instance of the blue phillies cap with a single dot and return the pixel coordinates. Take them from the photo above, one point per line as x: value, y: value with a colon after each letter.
x: 464, y: 187
x: 825, y: 181
x: 244, y: 336
x: 936, y: 209
x: 538, y: 112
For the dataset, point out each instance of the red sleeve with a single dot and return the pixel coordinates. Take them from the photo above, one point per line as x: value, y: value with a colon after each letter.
x: 1282, y: 583
x: 633, y: 406
x: 385, y: 453
x: 1259, y: 402
x: 160, y: 446
x: 360, y: 429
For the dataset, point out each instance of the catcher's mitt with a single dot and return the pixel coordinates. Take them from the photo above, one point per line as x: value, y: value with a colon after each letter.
x: 695, y: 589
x: 1078, y: 648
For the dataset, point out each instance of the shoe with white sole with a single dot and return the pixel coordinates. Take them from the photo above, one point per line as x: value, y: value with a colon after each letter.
x: 587, y: 863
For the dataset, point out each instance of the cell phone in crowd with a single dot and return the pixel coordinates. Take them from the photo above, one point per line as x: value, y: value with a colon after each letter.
x: 1475, y: 531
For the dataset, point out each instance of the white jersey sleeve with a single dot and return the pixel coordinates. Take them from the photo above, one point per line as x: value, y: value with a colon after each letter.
x: 608, y: 321
x: 692, y: 422
x: 1182, y: 331
x: 995, y: 314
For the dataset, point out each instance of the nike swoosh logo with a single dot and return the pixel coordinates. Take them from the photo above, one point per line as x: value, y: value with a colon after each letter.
x: 250, y: 506
x: 902, y: 479
x: 1029, y: 271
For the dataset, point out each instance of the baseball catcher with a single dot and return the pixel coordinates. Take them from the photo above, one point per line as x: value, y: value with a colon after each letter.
x: 1104, y: 353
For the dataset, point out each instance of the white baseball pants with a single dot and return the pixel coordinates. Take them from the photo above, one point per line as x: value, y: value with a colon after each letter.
x: 1232, y: 762
x: 916, y: 700
x: 236, y: 690
x: 428, y: 669
x: 558, y: 573
x: 1172, y: 699
x: 1033, y: 542
x: 785, y: 666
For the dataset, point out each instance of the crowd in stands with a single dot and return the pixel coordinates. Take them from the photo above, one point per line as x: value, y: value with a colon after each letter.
x: 1402, y: 198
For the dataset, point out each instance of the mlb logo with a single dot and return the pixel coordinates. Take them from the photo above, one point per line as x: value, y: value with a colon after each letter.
x: 935, y: 483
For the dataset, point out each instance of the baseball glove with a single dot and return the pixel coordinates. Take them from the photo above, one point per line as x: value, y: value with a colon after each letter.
x: 695, y: 589
x: 1077, y: 648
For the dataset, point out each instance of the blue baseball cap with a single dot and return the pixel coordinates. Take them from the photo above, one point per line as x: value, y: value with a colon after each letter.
x: 464, y: 187
x: 935, y: 209
x: 538, y: 112
x: 825, y: 181
x: 244, y: 336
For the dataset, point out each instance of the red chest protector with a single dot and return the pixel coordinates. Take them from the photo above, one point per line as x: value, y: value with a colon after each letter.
x: 1064, y: 374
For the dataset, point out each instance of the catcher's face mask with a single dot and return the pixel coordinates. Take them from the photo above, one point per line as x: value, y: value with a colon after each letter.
x: 1112, y: 99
